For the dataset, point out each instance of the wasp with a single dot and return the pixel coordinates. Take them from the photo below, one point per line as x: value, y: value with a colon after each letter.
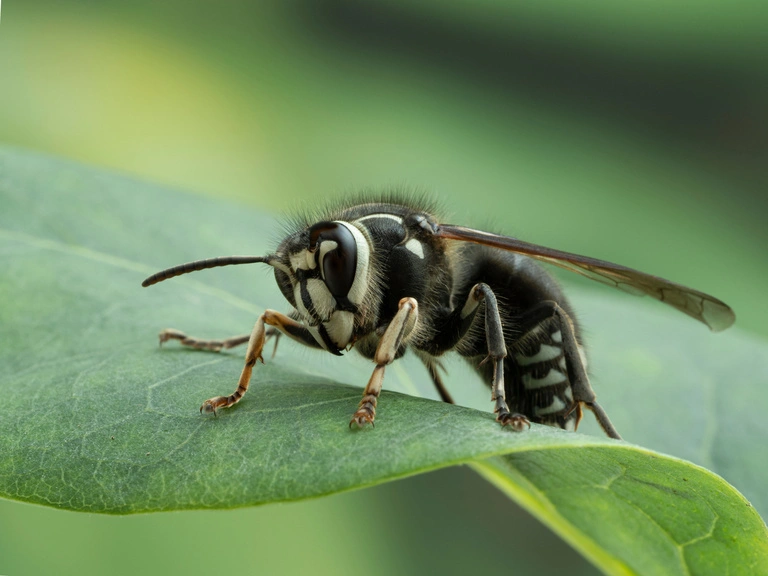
x: 386, y: 275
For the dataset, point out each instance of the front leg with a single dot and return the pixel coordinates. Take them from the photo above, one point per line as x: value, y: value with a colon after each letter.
x: 301, y: 335
x: 284, y: 324
x: 399, y: 328
x: 434, y: 366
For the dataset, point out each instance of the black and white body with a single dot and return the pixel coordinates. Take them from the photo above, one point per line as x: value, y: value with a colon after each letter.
x: 386, y: 276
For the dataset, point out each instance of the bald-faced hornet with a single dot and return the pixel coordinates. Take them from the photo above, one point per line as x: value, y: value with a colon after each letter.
x: 384, y: 276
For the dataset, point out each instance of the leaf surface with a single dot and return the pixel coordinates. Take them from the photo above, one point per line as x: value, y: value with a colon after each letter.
x: 98, y: 418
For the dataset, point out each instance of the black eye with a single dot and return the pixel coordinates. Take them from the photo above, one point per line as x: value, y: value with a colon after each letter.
x: 337, y: 263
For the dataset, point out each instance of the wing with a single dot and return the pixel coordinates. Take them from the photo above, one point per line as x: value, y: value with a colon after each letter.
x: 705, y: 308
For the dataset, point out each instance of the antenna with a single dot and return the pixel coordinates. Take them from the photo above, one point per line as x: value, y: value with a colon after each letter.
x: 202, y: 265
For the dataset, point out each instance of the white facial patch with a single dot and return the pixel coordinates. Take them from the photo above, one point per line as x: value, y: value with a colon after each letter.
x: 416, y: 247
x: 360, y: 284
x: 299, y: 302
x: 321, y: 298
x: 325, y: 247
x: 339, y: 327
x: 304, y: 260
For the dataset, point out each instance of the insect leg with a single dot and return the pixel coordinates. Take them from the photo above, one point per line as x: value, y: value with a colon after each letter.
x: 497, y: 351
x: 301, y: 335
x: 287, y: 326
x: 214, y: 345
x: 399, y: 328
x: 306, y: 338
x: 433, y: 366
x: 577, y: 374
x: 453, y: 332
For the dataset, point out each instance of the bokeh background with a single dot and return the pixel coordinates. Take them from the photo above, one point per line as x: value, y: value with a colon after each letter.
x: 632, y: 132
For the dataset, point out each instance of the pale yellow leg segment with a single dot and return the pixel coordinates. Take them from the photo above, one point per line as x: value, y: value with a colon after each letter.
x: 255, y: 347
x: 398, y: 330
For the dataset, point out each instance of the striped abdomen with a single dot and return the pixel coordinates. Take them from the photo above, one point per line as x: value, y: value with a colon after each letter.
x: 536, y: 378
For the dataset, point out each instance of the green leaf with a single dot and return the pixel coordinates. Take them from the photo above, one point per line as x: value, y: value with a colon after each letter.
x: 635, y: 512
x: 98, y: 418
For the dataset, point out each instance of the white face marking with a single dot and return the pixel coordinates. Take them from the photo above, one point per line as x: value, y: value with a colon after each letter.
x: 339, y: 327
x: 545, y: 353
x: 374, y: 216
x: 360, y: 283
x: 304, y: 260
x: 303, y: 312
x: 322, y: 300
x: 552, y: 377
x: 557, y: 336
x: 299, y: 261
x: 556, y: 406
x: 415, y: 246
x: 325, y: 247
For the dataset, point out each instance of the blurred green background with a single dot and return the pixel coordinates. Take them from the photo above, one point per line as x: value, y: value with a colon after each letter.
x: 634, y: 133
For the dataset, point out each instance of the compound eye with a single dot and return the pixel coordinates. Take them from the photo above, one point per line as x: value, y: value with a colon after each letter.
x: 337, y: 256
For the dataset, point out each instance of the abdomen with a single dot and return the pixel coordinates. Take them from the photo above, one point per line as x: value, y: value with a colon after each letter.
x: 535, y: 371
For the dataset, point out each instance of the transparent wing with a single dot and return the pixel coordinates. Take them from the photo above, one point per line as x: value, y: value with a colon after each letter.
x: 705, y: 308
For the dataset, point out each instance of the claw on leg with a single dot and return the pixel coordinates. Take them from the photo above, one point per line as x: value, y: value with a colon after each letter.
x: 170, y: 334
x: 518, y: 422
x: 212, y: 404
x: 366, y: 412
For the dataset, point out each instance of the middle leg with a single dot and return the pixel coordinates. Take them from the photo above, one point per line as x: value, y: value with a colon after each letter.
x: 455, y: 332
x: 497, y: 351
x: 434, y: 366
